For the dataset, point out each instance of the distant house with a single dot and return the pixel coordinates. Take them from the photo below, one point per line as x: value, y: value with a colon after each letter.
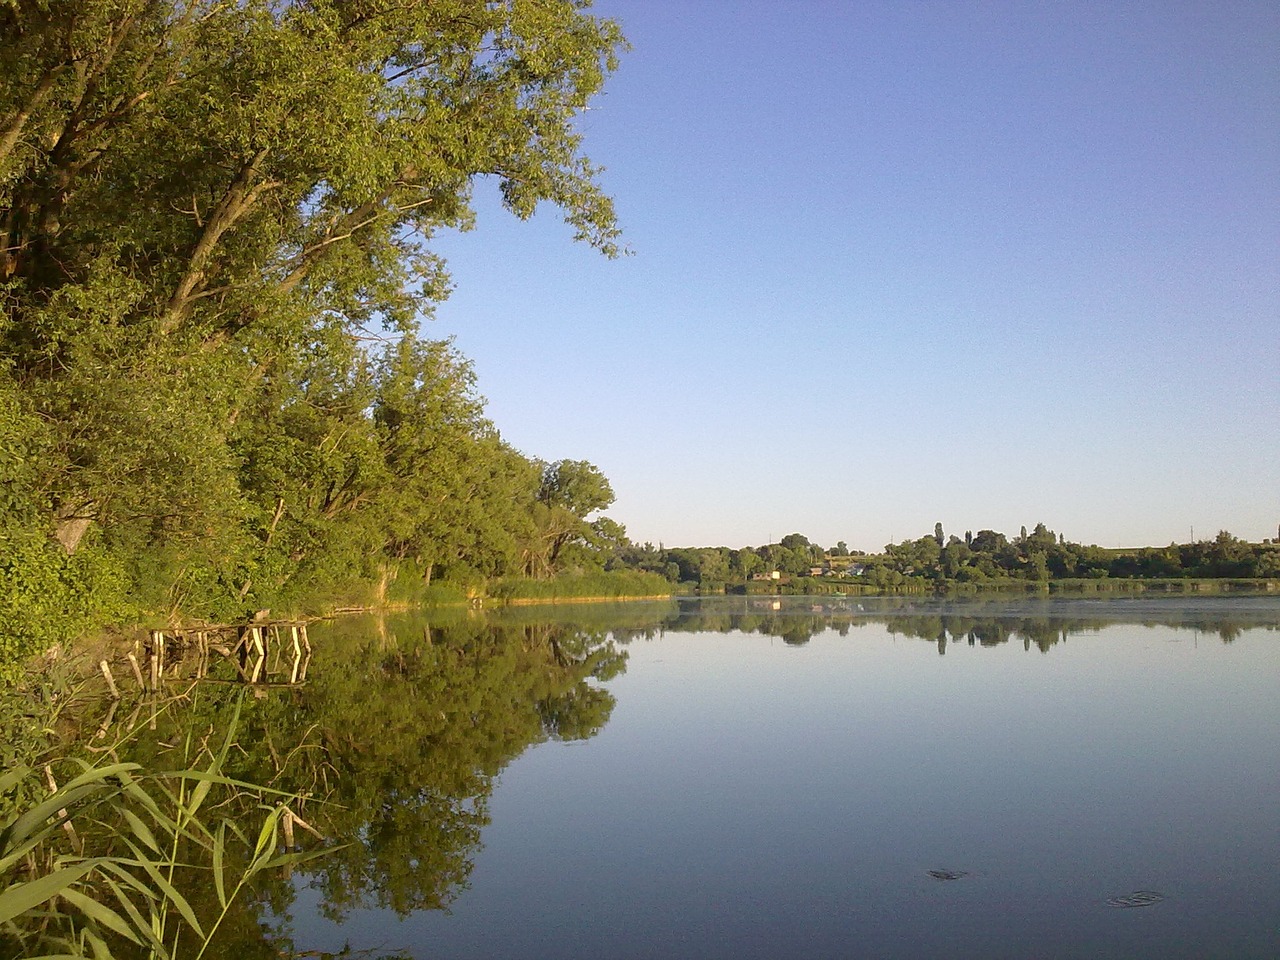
x: 818, y: 571
x: 772, y: 575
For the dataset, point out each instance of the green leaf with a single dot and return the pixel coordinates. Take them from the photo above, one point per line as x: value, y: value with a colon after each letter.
x: 219, y: 844
x: 133, y: 789
x: 166, y: 889
x: 21, y: 897
x: 100, y: 914
x: 100, y: 949
x: 140, y: 923
x: 301, y: 857
x: 97, y: 775
x: 116, y: 867
x: 33, y: 824
x: 11, y: 778
x: 267, y: 836
x: 212, y: 775
x: 140, y: 829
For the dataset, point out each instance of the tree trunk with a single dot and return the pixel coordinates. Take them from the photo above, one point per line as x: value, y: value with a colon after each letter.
x: 71, y: 524
x: 240, y: 197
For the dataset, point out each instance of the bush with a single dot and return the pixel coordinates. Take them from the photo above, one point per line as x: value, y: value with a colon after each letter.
x: 47, y: 596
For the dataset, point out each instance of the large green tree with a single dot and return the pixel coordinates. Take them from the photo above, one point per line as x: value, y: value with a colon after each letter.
x: 569, y: 492
x: 189, y: 192
x: 208, y: 212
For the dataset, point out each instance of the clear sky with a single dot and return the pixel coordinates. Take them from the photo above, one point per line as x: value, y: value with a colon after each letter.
x: 895, y: 263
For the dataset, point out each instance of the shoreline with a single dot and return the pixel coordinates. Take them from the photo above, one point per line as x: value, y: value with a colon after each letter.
x: 530, y: 601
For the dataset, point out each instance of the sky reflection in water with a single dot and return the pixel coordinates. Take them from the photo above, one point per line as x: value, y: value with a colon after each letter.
x: 753, y: 797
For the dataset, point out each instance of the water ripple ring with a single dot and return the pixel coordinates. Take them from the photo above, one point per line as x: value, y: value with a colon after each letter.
x: 1139, y: 898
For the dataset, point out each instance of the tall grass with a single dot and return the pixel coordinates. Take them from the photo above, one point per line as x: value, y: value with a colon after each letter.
x: 58, y: 900
x: 595, y: 585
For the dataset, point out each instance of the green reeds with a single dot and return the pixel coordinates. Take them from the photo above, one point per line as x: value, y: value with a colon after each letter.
x: 59, y: 899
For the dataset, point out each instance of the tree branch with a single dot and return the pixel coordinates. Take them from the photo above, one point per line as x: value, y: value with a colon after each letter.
x: 346, y: 226
x: 238, y: 200
x: 12, y: 129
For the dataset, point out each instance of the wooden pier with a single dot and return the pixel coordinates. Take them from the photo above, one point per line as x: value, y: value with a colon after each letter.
x: 264, y: 653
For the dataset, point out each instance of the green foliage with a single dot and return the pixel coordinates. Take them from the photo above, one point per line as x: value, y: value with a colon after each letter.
x: 47, y: 596
x: 113, y: 878
x: 599, y: 584
x: 208, y: 213
x: 987, y: 560
x: 575, y: 485
x: 977, y: 622
x: 411, y: 590
x: 1042, y: 557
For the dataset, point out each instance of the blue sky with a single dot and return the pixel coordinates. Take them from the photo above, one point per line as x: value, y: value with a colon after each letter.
x: 985, y: 263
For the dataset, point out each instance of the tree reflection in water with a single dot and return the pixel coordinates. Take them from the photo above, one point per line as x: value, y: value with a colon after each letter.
x: 1039, y: 623
x: 394, y: 743
x: 392, y: 746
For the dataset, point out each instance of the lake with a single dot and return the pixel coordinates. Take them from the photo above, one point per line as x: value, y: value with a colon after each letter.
x: 758, y: 777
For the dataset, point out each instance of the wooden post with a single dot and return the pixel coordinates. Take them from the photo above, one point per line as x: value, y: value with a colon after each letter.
x: 155, y: 659
x: 137, y: 671
x: 111, y: 681
x: 306, y: 647
x: 251, y: 648
x: 273, y: 648
x: 286, y: 823
x: 260, y: 648
x: 299, y: 822
x: 106, y: 721
x: 297, y: 653
x: 62, y: 814
x: 133, y: 717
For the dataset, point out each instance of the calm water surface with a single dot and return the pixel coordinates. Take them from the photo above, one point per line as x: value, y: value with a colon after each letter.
x: 760, y: 782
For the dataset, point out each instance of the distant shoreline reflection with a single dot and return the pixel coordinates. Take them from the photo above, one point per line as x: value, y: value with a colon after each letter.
x: 1039, y: 623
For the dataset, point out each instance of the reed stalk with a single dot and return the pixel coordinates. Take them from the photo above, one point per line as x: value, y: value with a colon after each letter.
x: 58, y: 901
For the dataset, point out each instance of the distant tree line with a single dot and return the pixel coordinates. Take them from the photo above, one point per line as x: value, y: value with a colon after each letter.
x: 793, y: 556
x: 985, y: 557
x: 1042, y: 555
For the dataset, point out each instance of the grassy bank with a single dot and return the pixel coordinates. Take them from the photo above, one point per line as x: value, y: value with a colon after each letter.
x: 601, y: 585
